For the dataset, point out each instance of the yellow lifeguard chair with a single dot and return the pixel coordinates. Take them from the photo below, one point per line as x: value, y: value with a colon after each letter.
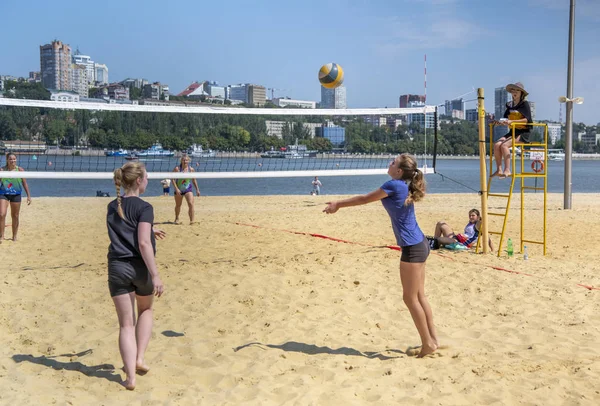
x: 537, y: 152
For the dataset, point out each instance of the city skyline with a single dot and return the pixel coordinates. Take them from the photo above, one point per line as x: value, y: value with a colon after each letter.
x: 380, y: 45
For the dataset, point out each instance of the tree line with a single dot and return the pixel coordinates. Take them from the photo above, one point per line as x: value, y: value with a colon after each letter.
x: 242, y: 132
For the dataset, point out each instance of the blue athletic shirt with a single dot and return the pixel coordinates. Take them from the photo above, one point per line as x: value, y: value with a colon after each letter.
x: 403, y: 218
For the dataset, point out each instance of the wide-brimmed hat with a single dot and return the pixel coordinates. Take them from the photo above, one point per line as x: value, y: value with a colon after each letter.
x: 517, y: 86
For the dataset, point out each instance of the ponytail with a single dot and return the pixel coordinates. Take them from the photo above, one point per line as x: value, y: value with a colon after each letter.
x: 416, y: 188
x: 414, y: 177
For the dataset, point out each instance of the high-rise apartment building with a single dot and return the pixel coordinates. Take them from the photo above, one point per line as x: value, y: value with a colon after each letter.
x: 86, y: 61
x: 532, y: 108
x: 406, y: 99
x: 333, y: 98
x: 452, y: 105
x: 501, y: 97
x: 79, y: 79
x: 55, y: 64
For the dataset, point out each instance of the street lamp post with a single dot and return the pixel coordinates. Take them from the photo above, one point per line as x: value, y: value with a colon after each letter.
x: 568, y: 100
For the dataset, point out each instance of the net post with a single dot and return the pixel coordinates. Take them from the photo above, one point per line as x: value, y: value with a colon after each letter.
x: 482, y: 168
x: 435, y: 136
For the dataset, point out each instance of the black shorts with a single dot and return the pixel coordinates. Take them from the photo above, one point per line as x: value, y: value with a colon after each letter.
x: 417, y: 253
x: 11, y: 198
x: 524, y: 136
x: 128, y: 275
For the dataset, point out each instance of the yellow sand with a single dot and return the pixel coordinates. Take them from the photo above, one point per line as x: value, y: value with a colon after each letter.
x: 266, y: 317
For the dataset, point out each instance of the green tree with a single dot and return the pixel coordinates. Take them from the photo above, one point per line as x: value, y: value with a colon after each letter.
x: 8, y: 128
x: 25, y: 90
x: 55, y: 131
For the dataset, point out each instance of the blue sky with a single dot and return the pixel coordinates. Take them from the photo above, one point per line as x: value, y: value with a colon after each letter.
x: 282, y: 44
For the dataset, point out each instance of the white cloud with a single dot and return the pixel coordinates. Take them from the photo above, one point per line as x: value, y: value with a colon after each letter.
x: 442, y: 32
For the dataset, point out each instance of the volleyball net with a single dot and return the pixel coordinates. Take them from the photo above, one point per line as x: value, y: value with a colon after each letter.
x: 81, y: 140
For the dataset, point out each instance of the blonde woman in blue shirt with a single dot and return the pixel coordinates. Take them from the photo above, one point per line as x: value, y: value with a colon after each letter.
x: 11, y: 190
x: 398, y: 196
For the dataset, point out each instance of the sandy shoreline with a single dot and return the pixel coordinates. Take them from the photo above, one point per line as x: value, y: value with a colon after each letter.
x: 259, y: 314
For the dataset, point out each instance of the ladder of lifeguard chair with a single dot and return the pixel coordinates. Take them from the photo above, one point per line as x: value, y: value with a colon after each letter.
x: 522, y: 175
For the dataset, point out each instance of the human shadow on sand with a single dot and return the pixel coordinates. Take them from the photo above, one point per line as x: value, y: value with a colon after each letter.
x: 97, y: 371
x: 311, y: 349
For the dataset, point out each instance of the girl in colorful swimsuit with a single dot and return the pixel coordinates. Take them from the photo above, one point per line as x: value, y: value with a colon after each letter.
x: 11, y: 190
x: 398, y: 196
x: 183, y: 189
x: 446, y: 236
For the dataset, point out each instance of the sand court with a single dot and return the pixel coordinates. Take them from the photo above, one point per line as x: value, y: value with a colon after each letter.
x: 264, y: 313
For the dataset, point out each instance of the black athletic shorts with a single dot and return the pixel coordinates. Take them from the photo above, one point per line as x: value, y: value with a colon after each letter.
x: 128, y: 275
x: 524, y: 137
x: 417, y: 253
x: 11, y: 198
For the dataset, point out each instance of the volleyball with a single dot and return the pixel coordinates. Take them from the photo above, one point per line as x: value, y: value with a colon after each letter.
x: 331, y: 75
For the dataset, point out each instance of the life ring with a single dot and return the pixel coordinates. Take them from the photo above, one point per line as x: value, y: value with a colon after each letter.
x: 537, y: 166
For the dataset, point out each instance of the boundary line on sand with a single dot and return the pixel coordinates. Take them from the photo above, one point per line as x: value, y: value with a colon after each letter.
x: 393, y: 247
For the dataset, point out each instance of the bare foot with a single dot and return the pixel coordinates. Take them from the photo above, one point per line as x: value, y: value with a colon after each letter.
x: 427, y: 349
x: 497, y: 173
x: 507, y: 173
x: 177, y: 221
x: 141, y: 368
x: 129, y: 384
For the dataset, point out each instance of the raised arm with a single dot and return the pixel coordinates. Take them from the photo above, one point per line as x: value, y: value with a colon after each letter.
x: 373, y: 196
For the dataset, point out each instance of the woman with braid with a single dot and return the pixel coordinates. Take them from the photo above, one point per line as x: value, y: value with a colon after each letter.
x: 398, y: 196
x: 132, y: 272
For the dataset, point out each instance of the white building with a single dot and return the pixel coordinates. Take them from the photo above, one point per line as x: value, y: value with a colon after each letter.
x: 285, y: 102
x: 554, y: 132
x: 276, y: 128
x: 101, y: 73
x: 86, y: 61
x: 64, y: 96
x: 333, y: 98
x: 375, y: 121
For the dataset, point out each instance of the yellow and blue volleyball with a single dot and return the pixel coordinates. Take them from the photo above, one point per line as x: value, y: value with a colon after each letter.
x: 331, y: 75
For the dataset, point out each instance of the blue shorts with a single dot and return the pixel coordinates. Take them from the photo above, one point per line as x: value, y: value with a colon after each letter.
x: 166, y: 190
